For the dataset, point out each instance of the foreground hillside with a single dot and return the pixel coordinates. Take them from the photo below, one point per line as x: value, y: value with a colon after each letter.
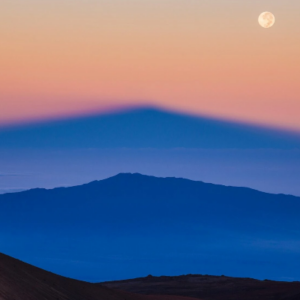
x: 21, y: 281
x: 210, y: 287
x: 130, y: 225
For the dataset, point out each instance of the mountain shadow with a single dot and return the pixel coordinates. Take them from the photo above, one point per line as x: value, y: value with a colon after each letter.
x: 144, y: 128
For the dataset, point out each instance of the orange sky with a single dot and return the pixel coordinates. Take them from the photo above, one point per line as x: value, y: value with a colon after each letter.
x: 63, y: 57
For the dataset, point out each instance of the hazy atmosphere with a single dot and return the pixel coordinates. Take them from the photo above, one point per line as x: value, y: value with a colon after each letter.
x: 63, y: 57
x: 154, y: 144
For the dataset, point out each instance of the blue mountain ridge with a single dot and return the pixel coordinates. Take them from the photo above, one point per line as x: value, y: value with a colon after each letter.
x: 156, y: 221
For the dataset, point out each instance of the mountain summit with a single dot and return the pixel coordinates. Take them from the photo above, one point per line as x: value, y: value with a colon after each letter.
x: 141, y: 224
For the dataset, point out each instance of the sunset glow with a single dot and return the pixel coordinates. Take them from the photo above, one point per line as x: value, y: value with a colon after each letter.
x: 60, y: 58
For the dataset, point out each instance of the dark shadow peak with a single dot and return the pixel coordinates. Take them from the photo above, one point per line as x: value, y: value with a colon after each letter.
x: 146, y: 128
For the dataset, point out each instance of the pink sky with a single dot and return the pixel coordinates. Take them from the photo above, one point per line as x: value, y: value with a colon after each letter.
x: 60, y: 58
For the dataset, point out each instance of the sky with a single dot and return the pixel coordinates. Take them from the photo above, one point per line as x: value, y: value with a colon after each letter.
x: 209, y: 57
x: 75, y: 65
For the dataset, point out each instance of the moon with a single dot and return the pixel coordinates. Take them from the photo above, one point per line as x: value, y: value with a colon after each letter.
x: 266, y: 19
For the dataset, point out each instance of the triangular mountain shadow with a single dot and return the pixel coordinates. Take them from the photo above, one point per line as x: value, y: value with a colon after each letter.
x: 144, y: 128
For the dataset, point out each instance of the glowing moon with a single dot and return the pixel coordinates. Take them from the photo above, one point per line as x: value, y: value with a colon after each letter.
x: 266, y: 19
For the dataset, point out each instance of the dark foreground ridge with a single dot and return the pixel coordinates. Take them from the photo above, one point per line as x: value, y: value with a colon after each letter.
x: 21, y: 281
x: 210, y: 287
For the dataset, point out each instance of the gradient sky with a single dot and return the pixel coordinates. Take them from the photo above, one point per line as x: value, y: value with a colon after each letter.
x: 209, y: 57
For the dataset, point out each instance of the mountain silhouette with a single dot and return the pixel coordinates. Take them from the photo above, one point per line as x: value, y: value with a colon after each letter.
x: 143, y: 128
x: 153, y: 224
x: 19, y: 280
x: 210, y: 287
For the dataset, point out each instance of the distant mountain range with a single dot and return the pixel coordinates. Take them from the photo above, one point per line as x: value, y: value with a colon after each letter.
x: 143, y: 128
x: 131, y: 225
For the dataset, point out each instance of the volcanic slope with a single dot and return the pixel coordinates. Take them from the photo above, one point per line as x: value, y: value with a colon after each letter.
x: 19, y: 280
x: 153, y: 225
x: 210, y: 287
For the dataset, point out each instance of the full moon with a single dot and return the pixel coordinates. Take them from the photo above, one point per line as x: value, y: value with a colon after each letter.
x: 266, y: 20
